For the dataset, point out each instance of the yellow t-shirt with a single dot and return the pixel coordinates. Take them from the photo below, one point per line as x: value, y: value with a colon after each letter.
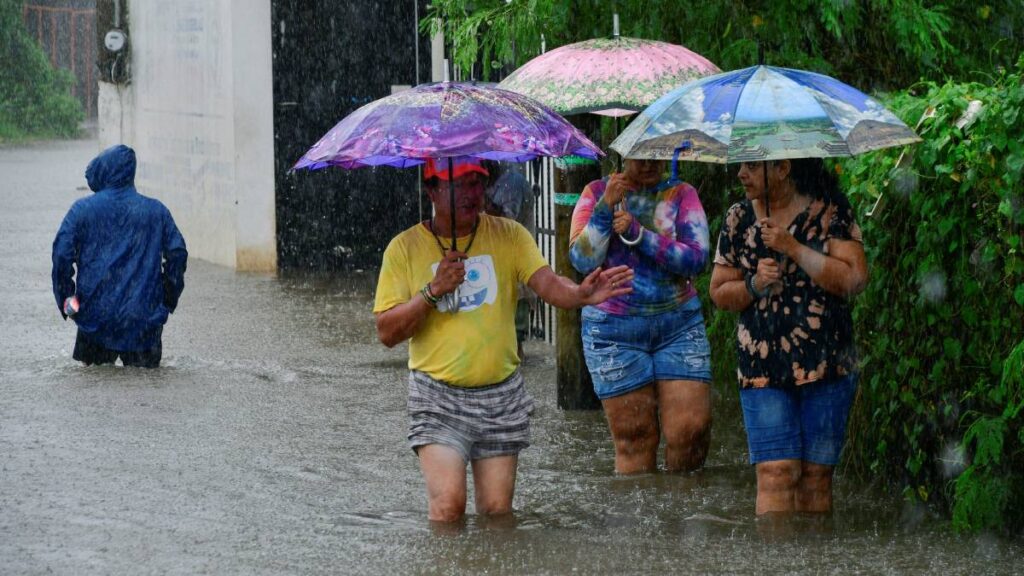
x: 477, y: 345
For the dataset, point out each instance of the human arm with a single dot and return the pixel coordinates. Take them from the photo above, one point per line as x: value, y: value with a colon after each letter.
x: 843, y: 271
x: 730, y: 288
x: 598, y: 286
x: 400, y: 322
x: 731, y: 278
x: 65, y: 252
x: 175, y: 260
x: 683, y: 253
x: 590, y: 231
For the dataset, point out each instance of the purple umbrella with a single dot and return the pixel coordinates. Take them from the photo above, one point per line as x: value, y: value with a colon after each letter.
x: 447, y: 120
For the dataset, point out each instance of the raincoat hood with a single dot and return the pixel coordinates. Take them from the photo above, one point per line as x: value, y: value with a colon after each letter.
x: 113, y: 168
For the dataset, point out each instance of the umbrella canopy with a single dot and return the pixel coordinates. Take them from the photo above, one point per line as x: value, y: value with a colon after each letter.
x: 762, y: 113
x: 447, y: 120
x: 615, y: 76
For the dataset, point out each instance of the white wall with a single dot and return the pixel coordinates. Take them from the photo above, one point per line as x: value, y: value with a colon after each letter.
x: 199, y: 113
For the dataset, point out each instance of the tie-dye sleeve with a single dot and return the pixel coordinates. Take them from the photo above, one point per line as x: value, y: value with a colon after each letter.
x: 590, y: 230
x: 687, y: 253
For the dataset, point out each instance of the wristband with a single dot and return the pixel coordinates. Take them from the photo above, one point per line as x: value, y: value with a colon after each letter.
x: 429, y: 296
x: 753, y: 289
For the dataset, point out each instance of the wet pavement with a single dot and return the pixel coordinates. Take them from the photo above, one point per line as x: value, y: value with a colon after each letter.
x: 272, y: 442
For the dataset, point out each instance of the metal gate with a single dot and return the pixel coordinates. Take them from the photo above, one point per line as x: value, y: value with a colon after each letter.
x: 542, y: 176
x: 68, y: 37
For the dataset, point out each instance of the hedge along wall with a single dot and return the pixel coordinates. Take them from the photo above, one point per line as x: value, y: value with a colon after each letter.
x: 35, y: 98
x: 941, y: 324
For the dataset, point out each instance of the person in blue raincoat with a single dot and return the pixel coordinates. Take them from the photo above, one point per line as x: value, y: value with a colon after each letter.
x: 118, y: 266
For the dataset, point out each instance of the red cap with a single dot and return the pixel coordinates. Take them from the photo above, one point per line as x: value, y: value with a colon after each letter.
x: 462, y: 167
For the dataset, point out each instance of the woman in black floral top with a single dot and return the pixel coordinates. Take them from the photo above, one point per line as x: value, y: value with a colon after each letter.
x: 790, y: 276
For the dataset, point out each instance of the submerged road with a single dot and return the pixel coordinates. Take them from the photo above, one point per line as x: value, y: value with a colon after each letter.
x: 272, y: 441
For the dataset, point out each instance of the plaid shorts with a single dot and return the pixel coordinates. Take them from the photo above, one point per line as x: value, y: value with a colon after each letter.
x: 481, y: 422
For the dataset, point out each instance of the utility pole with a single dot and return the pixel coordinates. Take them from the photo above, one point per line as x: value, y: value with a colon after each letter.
x: 575, y: 389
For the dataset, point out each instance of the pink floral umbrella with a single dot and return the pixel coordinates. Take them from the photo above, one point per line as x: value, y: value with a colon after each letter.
x: 615, y: 76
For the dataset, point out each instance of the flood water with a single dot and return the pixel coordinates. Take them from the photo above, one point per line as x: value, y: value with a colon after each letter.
x: 272, y: 441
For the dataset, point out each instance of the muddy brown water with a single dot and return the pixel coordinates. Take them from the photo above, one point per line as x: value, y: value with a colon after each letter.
x: 272, y: 442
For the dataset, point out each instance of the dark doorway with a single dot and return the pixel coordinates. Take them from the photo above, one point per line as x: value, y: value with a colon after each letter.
x: 331, y: 57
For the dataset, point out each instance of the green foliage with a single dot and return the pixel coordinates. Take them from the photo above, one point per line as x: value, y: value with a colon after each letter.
x: 35, y: 98
x: 874, y: 44
x: 941, y: 323
x: 711, y: 181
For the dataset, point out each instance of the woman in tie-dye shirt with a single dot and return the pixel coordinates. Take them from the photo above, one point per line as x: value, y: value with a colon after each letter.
x: 647, y: 351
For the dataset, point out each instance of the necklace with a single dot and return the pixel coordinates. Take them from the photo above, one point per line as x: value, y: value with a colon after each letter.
x: 472, y: 236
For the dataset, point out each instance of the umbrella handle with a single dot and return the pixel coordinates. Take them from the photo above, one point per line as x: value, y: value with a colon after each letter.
x: 635, y: 241
x: 684, y: 146
x: 451, y: 301
x: 451, y: 198
x: 618, y: 119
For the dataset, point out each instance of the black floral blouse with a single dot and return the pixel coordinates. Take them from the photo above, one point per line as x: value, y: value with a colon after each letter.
x: 802, y: 334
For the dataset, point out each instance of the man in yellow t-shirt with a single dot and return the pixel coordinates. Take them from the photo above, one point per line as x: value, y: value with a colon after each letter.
x: 467, y: 401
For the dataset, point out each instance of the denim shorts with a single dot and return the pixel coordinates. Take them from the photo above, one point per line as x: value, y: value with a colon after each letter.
x: 624, y: 353
x: 805, y: 422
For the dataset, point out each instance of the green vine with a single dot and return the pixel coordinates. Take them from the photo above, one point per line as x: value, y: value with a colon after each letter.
x: 941, y: 324
x: 873, y: 44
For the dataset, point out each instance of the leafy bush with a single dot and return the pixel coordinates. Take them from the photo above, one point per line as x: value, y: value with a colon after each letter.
x: 35, y: 98
x: 871, y: 44
x: 941, y: 324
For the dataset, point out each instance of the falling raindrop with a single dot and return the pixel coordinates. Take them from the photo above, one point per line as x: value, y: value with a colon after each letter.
x: 904, y: 181
x: 952, y: 460
x: 933, y: 287
x: 983, y: 259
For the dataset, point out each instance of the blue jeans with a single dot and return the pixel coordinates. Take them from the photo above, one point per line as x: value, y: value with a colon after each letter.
x: 624, y: 353
x: 805, y: 422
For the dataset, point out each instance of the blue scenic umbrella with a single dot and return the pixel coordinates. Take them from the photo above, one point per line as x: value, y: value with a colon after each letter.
x: 762, y: 113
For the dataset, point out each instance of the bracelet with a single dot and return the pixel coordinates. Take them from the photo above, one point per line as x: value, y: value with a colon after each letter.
x: 429, y: 296
x: 753, y: 289
x: 634, y: 242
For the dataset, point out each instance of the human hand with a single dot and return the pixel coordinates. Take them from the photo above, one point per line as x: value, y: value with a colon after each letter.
x: 623, y: 219
x: 616, y: 189
x: 450, y: 273
x: 601, y: 285
x: 768, y: 275
x: 776, y: 237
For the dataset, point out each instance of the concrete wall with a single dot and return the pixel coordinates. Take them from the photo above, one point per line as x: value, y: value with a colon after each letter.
x: 199, y: 113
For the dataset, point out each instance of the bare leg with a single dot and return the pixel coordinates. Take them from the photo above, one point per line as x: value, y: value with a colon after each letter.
x: 814, y: 493
x: 633, y: 420
x: 444, y: 471
x: 777, y: 482
x: 684, y: 407
x: 494, y: 483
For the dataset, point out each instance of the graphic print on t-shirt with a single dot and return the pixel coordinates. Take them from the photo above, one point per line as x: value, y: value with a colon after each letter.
x: 480, y: 286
